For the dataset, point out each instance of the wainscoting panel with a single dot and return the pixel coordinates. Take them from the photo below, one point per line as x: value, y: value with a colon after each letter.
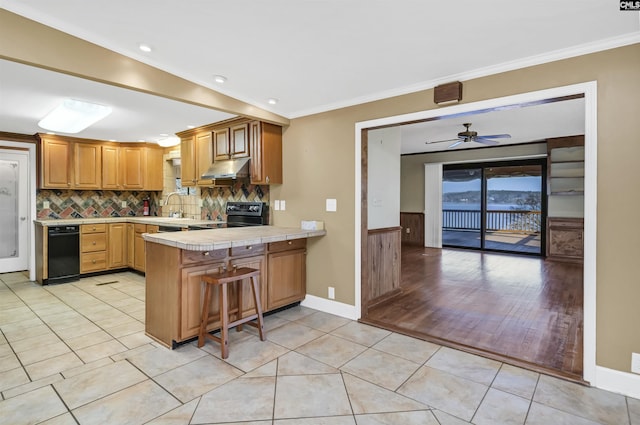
x: 414, y: 222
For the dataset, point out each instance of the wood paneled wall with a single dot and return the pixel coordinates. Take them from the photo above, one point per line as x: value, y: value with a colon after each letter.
x: 414, y: 222
x: 383, y: 249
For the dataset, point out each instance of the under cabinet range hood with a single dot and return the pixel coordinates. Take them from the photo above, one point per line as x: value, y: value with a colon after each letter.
x: 228, y: 169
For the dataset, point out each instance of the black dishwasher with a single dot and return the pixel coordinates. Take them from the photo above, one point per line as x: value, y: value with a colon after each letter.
x: 63, y: 254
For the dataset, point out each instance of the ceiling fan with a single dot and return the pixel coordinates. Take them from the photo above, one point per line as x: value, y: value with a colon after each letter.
x: 472, y: 136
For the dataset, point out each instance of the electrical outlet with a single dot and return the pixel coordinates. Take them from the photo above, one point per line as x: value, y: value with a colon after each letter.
x: 45, y: 205
x: 407, y: 230
x: 200, y: 203
x: 276, y: 205
x: 283, y: 205
x: 124, y: 204
x: 332, y: 293
x: 331, y: 205
x: 635, y: 363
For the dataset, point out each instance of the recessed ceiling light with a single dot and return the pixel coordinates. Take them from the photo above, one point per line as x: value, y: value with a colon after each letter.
x: 112, y: 140
x: 272, y: 101
x: 163, y: 134
x: 73, y: 116
x: 142, y: 141
x: 145, y: 47
x: 220, y: 79
x: 191, y: 126
x: 168, y: 141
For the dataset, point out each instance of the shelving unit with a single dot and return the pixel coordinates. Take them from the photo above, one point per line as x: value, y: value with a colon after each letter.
x: 565, y: 179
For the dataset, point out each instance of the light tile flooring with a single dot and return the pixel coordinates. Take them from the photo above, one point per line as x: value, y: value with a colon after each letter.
x: 76, y: 353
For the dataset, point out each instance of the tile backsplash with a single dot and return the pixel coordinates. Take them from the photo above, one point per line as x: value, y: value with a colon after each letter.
x: 214, y: 199
x: 94, y: 203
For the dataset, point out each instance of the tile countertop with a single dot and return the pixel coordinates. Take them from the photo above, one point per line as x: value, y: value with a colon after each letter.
x: 158, y: 221
x: 206, y: 240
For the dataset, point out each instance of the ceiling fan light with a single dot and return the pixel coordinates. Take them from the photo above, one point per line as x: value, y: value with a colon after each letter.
x: 73, y: 116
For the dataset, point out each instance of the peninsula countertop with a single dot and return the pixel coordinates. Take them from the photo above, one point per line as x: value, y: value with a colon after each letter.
x: 207, y: 240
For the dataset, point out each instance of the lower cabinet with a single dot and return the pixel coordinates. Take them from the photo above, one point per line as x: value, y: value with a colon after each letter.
x: 565, y: 239
x: 93, y: 248
x: 174, y: 290
x: 131, y: 235
x: 286, y: 265
x: 138, y: 244
x: 117, y: 246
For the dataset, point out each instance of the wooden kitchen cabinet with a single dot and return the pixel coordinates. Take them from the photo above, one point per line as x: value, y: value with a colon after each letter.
x: 204, y: 156
x: 117, y: 246
x: 266, y: 153
x: 131, y: 235
x: 286, y: 265
x: 174, y: 289
x: 153, y: 178
x: 188, y: 160
x: 132, y: 165
x: 55, y: 163
x: 87, y: 166
x: 565, y: 241
x: 93, y: 248
x: 239, y: 146
x: 111, y: 168
x: 221, y: 149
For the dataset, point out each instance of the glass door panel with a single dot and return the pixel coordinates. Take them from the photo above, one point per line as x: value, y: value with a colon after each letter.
x: 513, y: 214
x: 462, y: 207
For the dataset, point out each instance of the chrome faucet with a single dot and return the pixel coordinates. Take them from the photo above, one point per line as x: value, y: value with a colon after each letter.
x: 177, y: 214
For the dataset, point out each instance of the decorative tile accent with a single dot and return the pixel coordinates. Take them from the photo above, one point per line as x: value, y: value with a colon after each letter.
x: 94, y: 203
x: 214, y: 199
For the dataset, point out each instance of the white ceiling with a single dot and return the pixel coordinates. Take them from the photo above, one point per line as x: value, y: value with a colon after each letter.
x: 312, y: 55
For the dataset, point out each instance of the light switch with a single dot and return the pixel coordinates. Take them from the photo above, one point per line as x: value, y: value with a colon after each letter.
x: 124, y: 204
x: 45, y: 205
x: 332, y: 205
x: 276, y: 205
x: 283, y: 205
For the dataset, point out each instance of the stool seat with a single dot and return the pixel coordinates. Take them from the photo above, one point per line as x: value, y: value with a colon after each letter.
x: 221, y: 280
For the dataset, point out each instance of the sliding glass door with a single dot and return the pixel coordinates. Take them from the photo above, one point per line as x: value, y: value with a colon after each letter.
x: 495, y: 206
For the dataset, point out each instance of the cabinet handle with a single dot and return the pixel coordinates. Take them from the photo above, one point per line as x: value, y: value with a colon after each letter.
x: 94, y: 227
x: 94, y: 242
x: 205, y: 253
x: 93, y: 261
x: 290, y: 242
x: 267, y: 179
x: 249, y: 247
x: 68, y: 184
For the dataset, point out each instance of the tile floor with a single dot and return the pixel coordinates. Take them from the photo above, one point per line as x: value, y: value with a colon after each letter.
x: 76, y: 353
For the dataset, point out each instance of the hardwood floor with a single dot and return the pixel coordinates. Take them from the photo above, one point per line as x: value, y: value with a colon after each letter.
x: 518, y: 309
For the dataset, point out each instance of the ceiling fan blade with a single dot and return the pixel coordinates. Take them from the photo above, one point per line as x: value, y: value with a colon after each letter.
x: 442, y: 141
x: 485, y: 141
x: 455, y: 144
x: 496, y: 136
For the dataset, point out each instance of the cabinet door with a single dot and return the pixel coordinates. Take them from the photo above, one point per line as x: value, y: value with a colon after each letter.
x: 154, y: 169
x: 55, y: 164
x: 131, y: 234
x: 117, y: 245
x: 204, y: 156
x: 138, y: 256
x: 192, y: 292
x: 111, y: 168
x: 132, y: 165
x: 255, y: 164
x: 286, y: 282
x: 221, y: 144
x: 248, y: 305
x: 239, y: 143
x: 266, y: 153
x: 188, y: 161
x: 87, y: 166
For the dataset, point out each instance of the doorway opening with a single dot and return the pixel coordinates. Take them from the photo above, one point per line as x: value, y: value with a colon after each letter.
x: 495, y: 206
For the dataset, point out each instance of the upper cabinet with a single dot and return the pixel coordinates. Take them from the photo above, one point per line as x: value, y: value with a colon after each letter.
x: 266, y: 153
x: 237, y: 138
x: 80, y: 164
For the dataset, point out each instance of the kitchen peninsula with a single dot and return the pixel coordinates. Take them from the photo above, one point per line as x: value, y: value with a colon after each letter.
x: 176, y: 261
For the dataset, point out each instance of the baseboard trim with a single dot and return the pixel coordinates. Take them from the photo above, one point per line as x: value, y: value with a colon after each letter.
x: 624, y: 383
x: 329, y: 306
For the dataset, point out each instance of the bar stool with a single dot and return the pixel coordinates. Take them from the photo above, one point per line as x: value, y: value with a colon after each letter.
x: 221, y: 280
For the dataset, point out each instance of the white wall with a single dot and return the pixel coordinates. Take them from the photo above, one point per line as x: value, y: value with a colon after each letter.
x: 384, y: 178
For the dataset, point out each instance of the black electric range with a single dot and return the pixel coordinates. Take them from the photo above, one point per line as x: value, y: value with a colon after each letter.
x: 240, y: 214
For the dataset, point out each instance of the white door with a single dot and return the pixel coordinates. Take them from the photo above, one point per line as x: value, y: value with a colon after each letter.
x: 14, y: 210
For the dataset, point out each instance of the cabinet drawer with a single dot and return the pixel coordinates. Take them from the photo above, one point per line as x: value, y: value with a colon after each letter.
x: 191, y: 257
x: 93, y: 228
x: 93, y: 261
x: 286, y: 245
x: 140, y: 228
x: 93, y: 242
x: 243, y: 251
